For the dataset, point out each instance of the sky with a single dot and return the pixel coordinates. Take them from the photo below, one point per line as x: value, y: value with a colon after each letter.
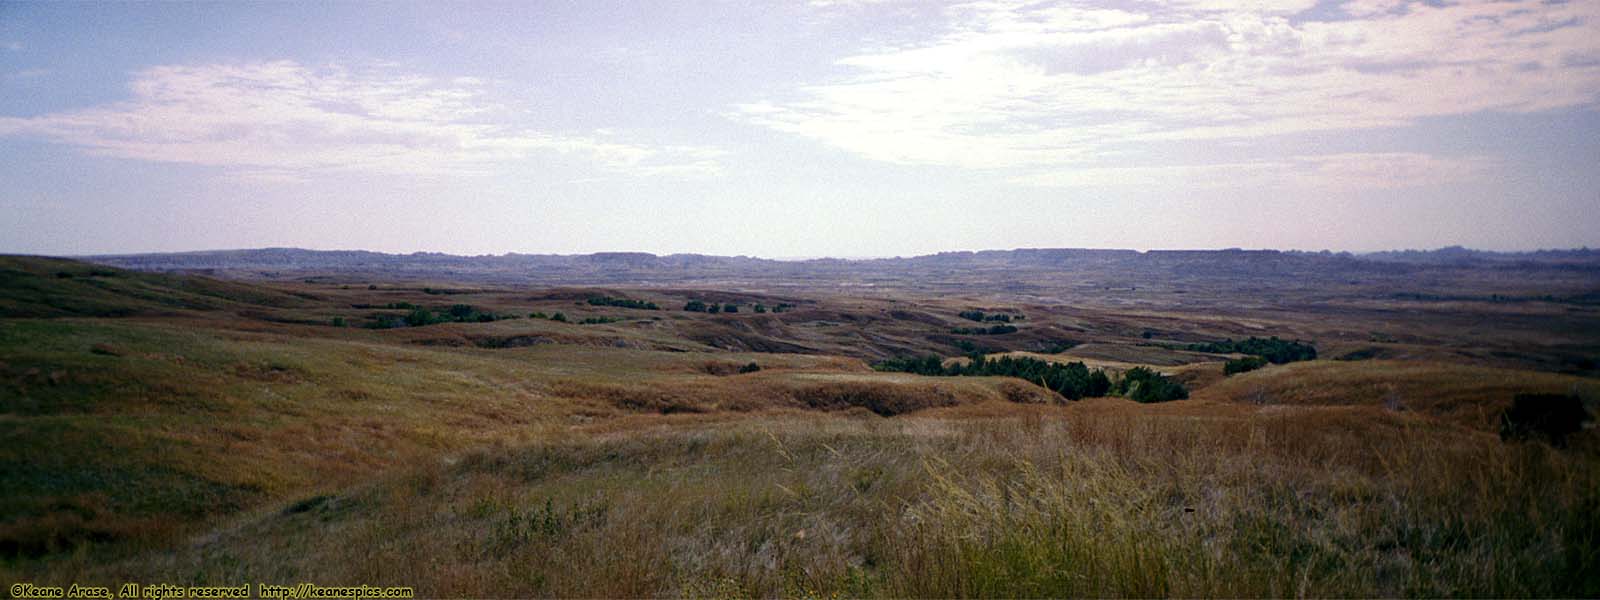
x: 788, y: 128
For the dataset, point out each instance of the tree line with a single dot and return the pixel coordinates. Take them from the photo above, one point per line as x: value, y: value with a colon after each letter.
x: 1072, y: 380
x: 622, y: 303
x: 1276, y: 351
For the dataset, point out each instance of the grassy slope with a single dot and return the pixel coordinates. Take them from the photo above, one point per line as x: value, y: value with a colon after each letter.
x: 1086, y: 500
x: 180, y: 424
x: 1469, y: 396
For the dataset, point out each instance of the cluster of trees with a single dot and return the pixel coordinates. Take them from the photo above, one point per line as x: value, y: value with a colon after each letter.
x: 419, y: 316
x: 599, y: 320
x: 729, y: 307
x: 980, y: 316
x: 1072, y: 380
x: 622, y: 302
x: 1276, y: 351
x: 391, y: 306
x: 991, y: 330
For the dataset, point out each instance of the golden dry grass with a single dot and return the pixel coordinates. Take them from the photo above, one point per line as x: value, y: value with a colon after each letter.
x: 1092, y: 499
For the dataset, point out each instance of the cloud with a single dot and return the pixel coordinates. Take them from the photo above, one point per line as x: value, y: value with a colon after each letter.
x: 1042, y: 86
x: 278, y: 121
x: 1361, y: 170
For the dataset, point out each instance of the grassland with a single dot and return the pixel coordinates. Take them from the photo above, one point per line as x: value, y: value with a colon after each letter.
x: 190, y: 430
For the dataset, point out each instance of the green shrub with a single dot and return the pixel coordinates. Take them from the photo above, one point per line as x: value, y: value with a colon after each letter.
x: 1241, y: 365
x: 1141, y: 384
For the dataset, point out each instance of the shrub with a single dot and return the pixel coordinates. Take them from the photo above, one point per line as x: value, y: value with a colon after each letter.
x: 559, y: 317
x: 1545, y: 417
x: 338, y: 322
x: 750, y: 368
x: 695, y: 306
x: 1141, y: 384
x: 730, y: 308
x: 760, y: 308
x: 419, y: 317
x: 1241, y: 365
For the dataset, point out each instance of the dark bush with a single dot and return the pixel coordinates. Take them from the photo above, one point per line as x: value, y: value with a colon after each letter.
x: 695, y: 306
x: 1543, y: 417
x: 1141, y: 384
x: 1241, y: 365
x: 750, y: 368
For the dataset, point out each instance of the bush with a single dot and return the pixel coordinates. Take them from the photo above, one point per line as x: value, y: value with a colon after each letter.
x: 760, y: 308
x: 419, y: 317
x: 559, y: 317
x: 1241, y: 365
x: 750, y: 368
x: 1544, y: 417
x: 730, y: 308
x: 1141, y: 384
x: 695, y: 306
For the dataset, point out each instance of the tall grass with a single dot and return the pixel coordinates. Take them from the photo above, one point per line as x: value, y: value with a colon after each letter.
x: 1098, y: 501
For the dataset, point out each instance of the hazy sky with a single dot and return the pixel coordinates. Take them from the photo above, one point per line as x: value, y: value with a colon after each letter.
x: 774, y: 128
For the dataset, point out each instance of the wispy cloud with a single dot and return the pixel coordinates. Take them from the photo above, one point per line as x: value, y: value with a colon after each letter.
x: 1361, y: 170
x: 277, y: 121
x: 1041, y: 87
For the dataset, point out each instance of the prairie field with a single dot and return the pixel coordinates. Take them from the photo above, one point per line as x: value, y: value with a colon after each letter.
x: 457, y: 437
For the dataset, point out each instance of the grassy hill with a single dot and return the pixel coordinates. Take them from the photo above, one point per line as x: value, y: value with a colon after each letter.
x: 162, y: 427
